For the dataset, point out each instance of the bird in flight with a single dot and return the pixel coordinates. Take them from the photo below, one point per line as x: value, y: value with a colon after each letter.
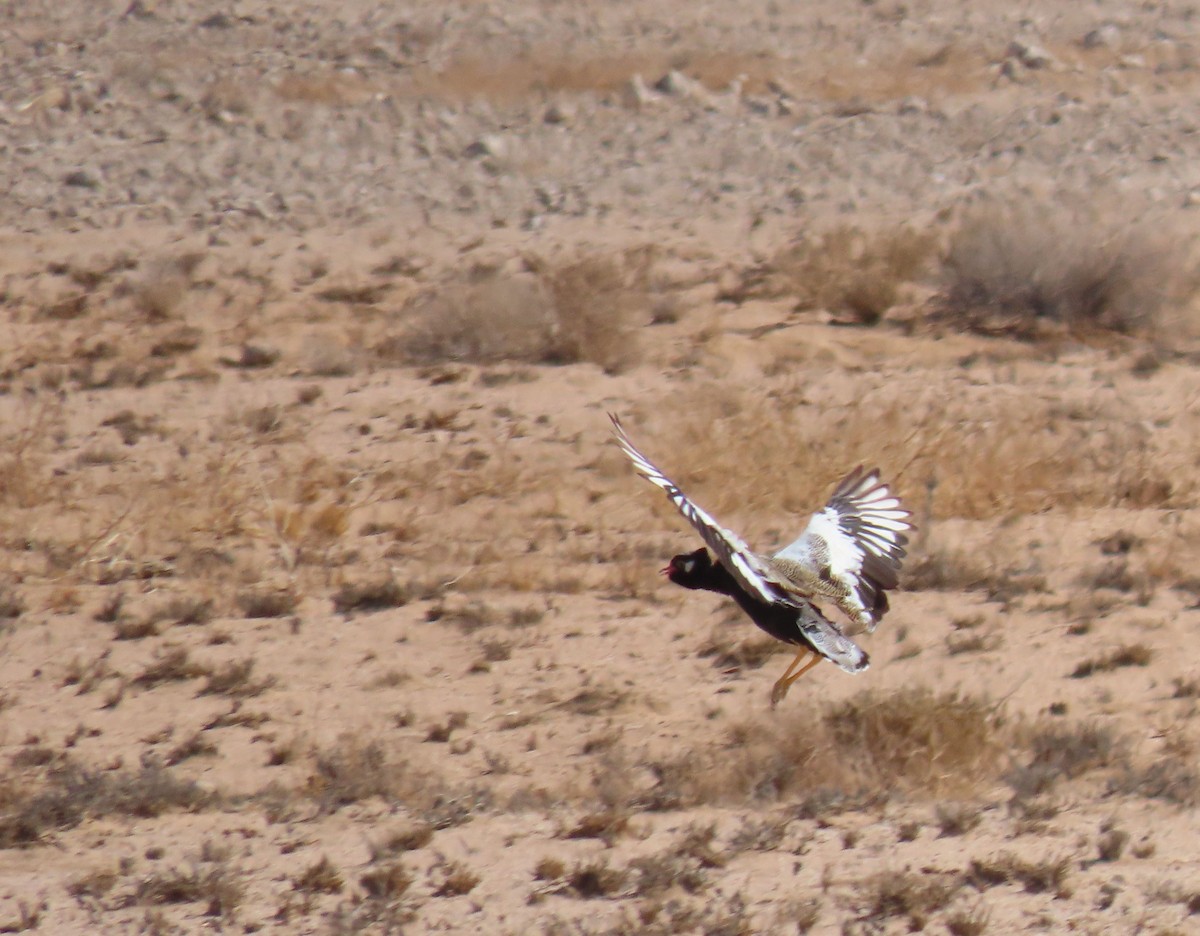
x: 850, y: 552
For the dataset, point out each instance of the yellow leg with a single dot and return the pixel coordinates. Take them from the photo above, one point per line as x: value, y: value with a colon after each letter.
x: 784, y: 683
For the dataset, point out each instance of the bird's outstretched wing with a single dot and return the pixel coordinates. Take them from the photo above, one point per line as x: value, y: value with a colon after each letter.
x: 747, y: 569
x: 857, y: 542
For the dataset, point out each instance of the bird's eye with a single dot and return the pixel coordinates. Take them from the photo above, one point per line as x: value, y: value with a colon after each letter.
x: 688, y: 564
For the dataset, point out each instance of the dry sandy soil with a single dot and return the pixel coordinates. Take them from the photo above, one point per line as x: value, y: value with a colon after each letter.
x: 328, y: 604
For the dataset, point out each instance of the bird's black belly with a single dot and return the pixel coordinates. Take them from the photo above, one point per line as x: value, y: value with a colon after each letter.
x: 779, y: 621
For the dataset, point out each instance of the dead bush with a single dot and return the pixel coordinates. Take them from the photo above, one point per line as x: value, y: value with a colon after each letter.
x: 1021, y: 268
x: 596, y: 879
x: 319, y: 878
x: 1127, y: 655
x: 371, y: 594
x: 553, y: 313
x: 216, y: 886
x: 909, y: 895
x: 1061, y: 751
x: 858, y: 750
x: 854, y: 274
x: 236, y: 680
x: 173, y: 665
x: 1036, y: 876
x: 354, y: 770
x: 70, y: 793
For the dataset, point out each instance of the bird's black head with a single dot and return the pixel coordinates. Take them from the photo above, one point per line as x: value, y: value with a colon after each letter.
x: 691, y: 570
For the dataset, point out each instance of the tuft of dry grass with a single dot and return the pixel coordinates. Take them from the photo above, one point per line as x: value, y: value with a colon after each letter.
x: 173, y: 665
x: 371, y: 594
x: 354, y: 770
x: 454, y: 880
x: 1059, y: 751
x: 70, y: 794
x: 1127, y: 655
x: 1035, y: 876
x: 235, y: 679
x: 554, y: 313
x: 1024, y: 268
x: 387, y: 881
x: 957, y: 818
x: 905, y: 894
x: 855, y: 274
x: 858, y: 750
x: 595, y: 879
x: 319, y: 878
x: 217, y: 887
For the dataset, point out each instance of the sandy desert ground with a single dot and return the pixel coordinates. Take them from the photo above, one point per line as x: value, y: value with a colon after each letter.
x: 328, y: 604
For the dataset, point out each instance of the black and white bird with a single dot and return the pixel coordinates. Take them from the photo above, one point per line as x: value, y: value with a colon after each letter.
x: 850, y: 552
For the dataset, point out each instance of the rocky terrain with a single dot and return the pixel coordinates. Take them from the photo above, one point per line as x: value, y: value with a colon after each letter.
x: 329, y: 605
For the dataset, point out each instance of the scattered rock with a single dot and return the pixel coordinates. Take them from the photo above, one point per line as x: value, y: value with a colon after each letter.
x: 253, y: 357
x: 1030, y: 55
x: 1102, y: 37
x: 80, y: 179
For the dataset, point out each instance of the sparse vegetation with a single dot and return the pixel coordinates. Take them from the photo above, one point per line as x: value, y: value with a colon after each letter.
x: 855, y: 274
x: 552, y: 313
x: 1025, y: 268
x: 860, y: 748
x: 70, y: 793
x: 1128, y: 655
x: 905, y: 894
x: 1035, y: 876
x: 355, y: 770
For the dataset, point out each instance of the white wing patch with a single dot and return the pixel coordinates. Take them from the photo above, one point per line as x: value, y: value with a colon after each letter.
x: 854, y: 546
x: 747, y: 569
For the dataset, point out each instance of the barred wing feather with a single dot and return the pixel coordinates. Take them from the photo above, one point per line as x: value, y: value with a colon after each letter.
x: 856, y: 541
x: 747, y: 569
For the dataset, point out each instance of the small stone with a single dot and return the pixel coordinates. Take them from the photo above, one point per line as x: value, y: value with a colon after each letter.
x: 559, y: 114
x: 216, y: 21
x: 635, y: 95
x: 252, y: 357
x: 80, y: 179
x: 490, y: 144
x: 1101, y: 37
x: 1030, y: 55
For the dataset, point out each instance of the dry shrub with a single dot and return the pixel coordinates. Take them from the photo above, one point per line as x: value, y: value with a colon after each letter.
x: 1022, y: 268
x: 1128, y: 655
x: 319, y: 878
x: 853, y: 273
x: 26, y: 475
x: 1063, y: 751
x: 216, y: 886
x: 906, y: 894
x: 1037, y: 877
x: 855, y: 751
x: 558, y: 314
x: 355, y: 770
x: 594, y: 300
x: 69, y: 794
x: 960, y: 452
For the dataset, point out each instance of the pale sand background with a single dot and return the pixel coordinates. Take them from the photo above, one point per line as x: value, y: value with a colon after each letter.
x: 331, y: 607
